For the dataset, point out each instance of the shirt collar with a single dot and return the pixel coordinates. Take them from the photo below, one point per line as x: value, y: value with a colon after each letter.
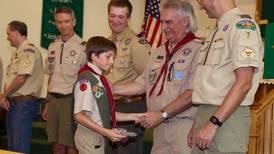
x: 227, y: 16
x: 95, y: 68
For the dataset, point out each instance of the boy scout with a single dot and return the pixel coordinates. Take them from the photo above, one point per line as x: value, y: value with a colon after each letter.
x: 22, y: 88
x: 167, y: 80
x: 65, y: 57
x: 226, y: 80
x: 131, y: 58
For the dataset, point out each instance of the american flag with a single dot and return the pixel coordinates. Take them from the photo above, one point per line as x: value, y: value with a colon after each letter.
x: 152, y: 27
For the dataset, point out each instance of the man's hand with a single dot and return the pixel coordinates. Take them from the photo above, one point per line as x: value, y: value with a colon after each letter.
x: 206, y: 135
x: 4, y: 103
x: 45, y: 112
x: 190, y: 136
x: 151, y: 119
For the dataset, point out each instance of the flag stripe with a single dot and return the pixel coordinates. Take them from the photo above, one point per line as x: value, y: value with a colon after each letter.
x: 156, y: 27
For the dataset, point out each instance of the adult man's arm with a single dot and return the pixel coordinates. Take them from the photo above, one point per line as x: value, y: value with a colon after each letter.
x: 14, y: 86
x: 230, y: 103
x: 180, y: 104
x: 129, y: 89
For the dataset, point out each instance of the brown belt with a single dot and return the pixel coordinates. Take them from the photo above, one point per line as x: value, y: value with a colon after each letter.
x: 23, y: 98
x: 123, y: 99
x: 58, y: 95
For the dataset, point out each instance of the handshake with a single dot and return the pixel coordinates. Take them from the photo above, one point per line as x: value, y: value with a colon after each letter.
x: 148, y: 119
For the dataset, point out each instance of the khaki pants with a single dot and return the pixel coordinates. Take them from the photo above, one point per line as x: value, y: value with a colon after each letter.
x: 171, y: 137
x: 88, y: 141
x: 231, y: 137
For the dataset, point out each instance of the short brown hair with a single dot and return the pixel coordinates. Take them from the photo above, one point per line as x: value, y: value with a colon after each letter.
x: 99, y: 45
x: 18, y: 26
x: 121, y: 3
x: 65, y: 9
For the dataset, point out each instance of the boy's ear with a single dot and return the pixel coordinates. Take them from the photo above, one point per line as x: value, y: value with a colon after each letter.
x: 93, y: 56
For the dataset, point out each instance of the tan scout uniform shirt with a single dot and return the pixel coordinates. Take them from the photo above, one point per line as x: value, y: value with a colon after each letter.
x: 64, y: 61
x: 131, y: 58
x: 26, y: 60
x: 236, y: 43
x: 179, y: 77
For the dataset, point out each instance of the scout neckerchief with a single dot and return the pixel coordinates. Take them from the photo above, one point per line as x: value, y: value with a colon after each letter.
x: 189, y: 37
x: 108, y: 91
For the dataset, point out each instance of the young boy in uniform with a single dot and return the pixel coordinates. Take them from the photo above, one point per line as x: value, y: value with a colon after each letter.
x: 94, y: 108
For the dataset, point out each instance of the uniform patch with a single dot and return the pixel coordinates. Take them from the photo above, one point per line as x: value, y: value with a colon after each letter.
x: 124, y: 49
x: 160, y: 57
x: 143, y: 41
x: 127, y: 41
x: 27, y: 63
x: 72, y: 53
x: 181, y: 61
x: 248, y: 54
x: 246, y: 24
x: 225, y: 28
x: 29, y: 50
x: 98, y: 91
x: 52, y: 52
x: 187, y: 51
x: 83, y: 86
x: 178, y: 74
x: 152, y: 75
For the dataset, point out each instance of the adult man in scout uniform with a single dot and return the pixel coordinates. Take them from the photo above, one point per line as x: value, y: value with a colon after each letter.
x: 167, y: 81
x: 65, y: 57
x: 131, y: 58
x: 22, y: 88
x: 226, y: 80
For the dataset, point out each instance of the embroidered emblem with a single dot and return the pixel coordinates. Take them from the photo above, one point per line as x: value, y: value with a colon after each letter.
x: 127, y: 41
x: 246, y: 24
x: 225, y: 28
x: 98, y: 91
x: 72, y: 53
x: 178, y: 74
x: 187, y: 51
x: 152, y: 75
x: 143, y: 41
x: 83, y: 86
x: 248, y: 54
x: 160, y: 57
x: 124, y: 49
x: 27, y: 63
x: 29, y: 50
x: 52, y: 52
x: 181, y: 61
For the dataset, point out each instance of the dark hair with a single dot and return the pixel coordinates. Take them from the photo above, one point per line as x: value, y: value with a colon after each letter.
x: 98, y: 45
x: 121, y: 3
x: 65, y: 9
x: 19, y: 26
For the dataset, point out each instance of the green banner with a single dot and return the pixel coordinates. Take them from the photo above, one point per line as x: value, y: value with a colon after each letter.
x: 49, y: 31
x: 269, y: 52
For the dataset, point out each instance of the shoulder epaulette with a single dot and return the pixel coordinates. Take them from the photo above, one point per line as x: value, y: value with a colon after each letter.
x: 30, y: 44
x: 245, y: 16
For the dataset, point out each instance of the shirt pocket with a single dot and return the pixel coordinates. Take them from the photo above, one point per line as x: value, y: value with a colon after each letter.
x: 122, y: 61
x: 215, y: 53
x: 154, y: 71
x: 178, y: 72
x: 70, y: 65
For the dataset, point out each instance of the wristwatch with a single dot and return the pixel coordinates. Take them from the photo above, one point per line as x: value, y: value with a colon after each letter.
x: 215, y: 121
x: 164, y: 114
